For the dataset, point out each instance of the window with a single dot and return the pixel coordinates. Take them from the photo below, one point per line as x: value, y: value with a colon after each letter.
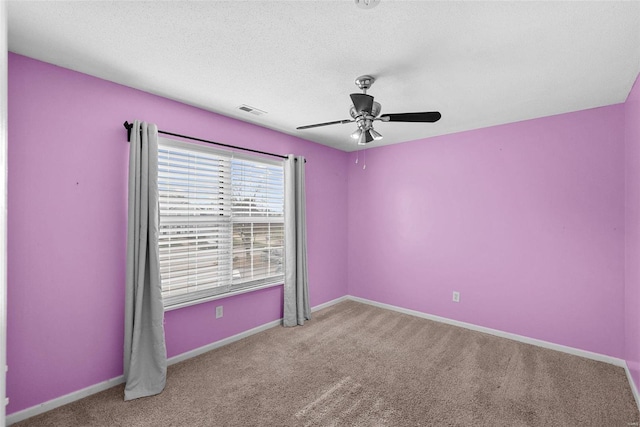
x: 221, y: 222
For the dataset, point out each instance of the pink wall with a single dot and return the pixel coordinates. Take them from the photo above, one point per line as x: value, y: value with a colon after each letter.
x: 632, y: 232
x: 68, y: 159
x: 525, y: 220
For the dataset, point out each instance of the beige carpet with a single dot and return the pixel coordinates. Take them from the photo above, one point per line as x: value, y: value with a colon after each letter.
x: 358, y: 365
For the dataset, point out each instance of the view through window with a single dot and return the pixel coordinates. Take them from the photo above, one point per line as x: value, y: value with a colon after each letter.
x: 221, y: 222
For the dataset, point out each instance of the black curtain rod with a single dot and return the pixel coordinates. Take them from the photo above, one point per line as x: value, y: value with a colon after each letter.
x: 129, y: 126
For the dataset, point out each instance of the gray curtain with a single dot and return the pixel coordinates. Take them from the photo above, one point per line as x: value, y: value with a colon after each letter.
x: 145, y: 355
x: 296, y: 281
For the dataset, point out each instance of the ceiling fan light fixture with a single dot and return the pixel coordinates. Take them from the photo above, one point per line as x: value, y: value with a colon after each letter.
x: 356, y: 134
x: 362, y: 140
x: 376, y: 135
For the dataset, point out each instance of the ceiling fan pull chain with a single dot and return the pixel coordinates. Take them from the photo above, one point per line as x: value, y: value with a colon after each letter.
x: 357, y: 155
x: 364, y: 157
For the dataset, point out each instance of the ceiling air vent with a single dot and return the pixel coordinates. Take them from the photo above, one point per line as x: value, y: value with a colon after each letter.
x: 252, y: 110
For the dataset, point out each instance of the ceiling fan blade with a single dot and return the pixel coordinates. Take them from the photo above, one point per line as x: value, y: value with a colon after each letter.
x: 337, y: 122
x: 425, y: 117
x: 362, y: 102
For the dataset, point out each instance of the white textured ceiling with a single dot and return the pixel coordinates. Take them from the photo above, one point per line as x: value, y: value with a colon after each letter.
x: 478, y: 63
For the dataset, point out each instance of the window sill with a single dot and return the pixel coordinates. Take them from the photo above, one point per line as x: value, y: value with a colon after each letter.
x: 220, y: 296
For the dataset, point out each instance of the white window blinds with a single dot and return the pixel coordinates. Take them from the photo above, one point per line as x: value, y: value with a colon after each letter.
x: 221, y: 222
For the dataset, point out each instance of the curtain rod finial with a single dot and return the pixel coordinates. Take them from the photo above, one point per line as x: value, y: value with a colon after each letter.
x: 128, y: 126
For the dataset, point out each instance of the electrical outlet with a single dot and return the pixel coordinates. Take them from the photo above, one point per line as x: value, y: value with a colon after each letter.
x: 456, y: 296
x: 218, y: 312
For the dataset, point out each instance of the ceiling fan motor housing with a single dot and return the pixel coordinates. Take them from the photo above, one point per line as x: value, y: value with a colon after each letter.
x: 375, y: 111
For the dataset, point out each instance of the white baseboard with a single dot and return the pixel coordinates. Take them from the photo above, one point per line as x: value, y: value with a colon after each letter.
x: 329, y: 303
x: 540, y: 343
x: 632, y: 384
x: 515, y: 337
x: 201, y: 350
x: 97, y: 388
x: 63, y: 400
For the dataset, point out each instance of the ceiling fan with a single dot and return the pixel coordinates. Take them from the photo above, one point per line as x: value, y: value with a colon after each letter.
x: 365, y: 111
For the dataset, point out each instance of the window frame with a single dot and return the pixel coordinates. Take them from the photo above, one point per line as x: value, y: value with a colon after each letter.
x: 202, y: 296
